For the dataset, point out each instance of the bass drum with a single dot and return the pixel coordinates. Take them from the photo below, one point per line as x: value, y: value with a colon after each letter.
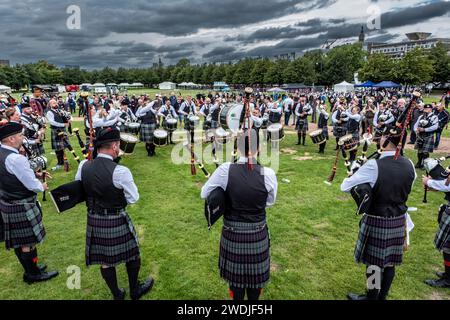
x: 160, y: 137
x: 230, y: 117
x: 128, y: 143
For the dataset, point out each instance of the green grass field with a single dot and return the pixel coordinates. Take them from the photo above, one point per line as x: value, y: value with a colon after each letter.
x: 313, y: 230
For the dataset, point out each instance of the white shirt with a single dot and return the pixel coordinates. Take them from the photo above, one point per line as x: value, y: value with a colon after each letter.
x: 297, y: 109
x: 432, y: 118
x: 220, y: 179
x: 19, y: 166
x: 186, y: 105
x: 288, y: 102
x: 172, y: 112
x: 109, y: 121
x: 142, y: 111
x: 122, y: 179
x: 368, y: 173
x: 438, y: 185
x: 390, y: 117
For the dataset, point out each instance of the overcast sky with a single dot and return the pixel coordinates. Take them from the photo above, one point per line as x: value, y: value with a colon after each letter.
x: 136, y: 33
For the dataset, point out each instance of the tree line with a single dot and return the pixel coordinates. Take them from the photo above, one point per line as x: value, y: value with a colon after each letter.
x: 313, y: 68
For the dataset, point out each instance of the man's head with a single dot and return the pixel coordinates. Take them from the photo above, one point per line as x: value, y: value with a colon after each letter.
x: 428, y: 108
x: 108, y: 142
x: 26, y: 109
x: 53, y: 104
x: 391, y: 138
x: 11, y: 134
x: 440, y: 107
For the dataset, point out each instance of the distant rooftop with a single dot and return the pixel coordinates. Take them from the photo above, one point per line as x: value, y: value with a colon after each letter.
x: 414, y: 36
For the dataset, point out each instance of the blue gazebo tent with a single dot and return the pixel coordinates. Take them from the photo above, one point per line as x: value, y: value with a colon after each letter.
x: 387, y: 84
x: 367, y: 84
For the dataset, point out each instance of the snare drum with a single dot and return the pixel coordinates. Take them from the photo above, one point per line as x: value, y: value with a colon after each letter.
x: 128, y: 143
x: 318, y: 137
x: 194, y: 122
x: 230, y: 117
x: 160, y: 137
x: 171, y: 125
x: 132, y: 128
x: 276, y: 132
x: 349, y: 143
x: 222, y: 136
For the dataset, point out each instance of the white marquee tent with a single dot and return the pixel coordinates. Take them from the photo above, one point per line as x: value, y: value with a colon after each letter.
x: 344, y: 87
x: 5, y: 89
x: 167, y: 86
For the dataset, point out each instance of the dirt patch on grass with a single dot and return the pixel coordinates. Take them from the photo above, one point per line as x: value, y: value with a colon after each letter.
x: 342, y: 198
x: 302, y: 158
x: 322, y: 225
x: 141, y: 233
x: 288, y: 151
x: 274, y: 267
x: 436, y: 296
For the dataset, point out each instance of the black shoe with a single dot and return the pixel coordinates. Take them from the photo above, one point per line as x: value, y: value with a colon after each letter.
x: 43, y: 276
x: 143, y: 288
x: 440, y: 283
x: 441, y: 275
x: 121, y: 295
x: 42, y: 267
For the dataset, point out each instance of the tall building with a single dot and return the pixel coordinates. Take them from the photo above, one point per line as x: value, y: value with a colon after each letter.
x: 362, y: 36
x: 398, y: 50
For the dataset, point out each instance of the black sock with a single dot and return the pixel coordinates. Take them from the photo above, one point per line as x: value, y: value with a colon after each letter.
x: 30, y: 260
x: 110, y: 277
x: 372, y: 294
x: 133, y: 268
x: 386, y: 282
x: 253, y: 294
x: 237, y: 293
x: 18, y: 253
x: 60, y: 157
x: 447, y: 264
x: 304, y: 138
x: 299, y: 135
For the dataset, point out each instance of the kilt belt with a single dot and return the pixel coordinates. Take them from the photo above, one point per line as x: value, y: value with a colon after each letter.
x: 111, y: 239
x: 22, y: 223
x: 381, y: 241
x: 244, y: 260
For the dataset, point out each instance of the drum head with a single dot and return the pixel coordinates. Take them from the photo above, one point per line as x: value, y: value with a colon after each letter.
x: 172, y: 121
x: 194, y: 119
x: 234, y: 117
x: 222, y: 133
x: 316, y: 133
x: 133, y: 125
x: 128, y: 138
x: 160, y: 134
x: 345, y: 139
x: 275, y: 127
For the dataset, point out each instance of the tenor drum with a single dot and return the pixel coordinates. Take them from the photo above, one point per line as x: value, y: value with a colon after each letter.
x: 318, y: 137
x: 132, y: 128
x: 349, y: 143
x: 230, y: 117
x: 171, y: 125
x: 222, y: 136
x: 160, y: 137
x: 276, y: 132
x: 128, y: 143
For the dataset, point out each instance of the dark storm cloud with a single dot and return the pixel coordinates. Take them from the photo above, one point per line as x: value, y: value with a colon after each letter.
x: 33, y: 30
x: 219, y: 51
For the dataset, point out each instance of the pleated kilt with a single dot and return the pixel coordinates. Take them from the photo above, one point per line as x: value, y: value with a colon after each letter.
x: 2, y: 229
x: 244, y: 260
x: 38, y: 149
x: 302, y: 125
x: 425, y: 143
x: 56, y: 141
x: 110, y: 240
x: 22, y: 223
x: 442, y: 240
x: 147, y: 131
x: 339, y: 131
x: 381, y: 241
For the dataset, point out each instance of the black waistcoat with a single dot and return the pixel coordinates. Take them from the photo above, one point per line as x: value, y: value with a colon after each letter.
x: 97, y: 178
x: 393, y: 186
x: 323, y: 122
x: 215, y: 114
x: 353, y: 126
x: 10, y: 187
x: 246, y: 194
x: 57, y: 117
x: 149, y: 118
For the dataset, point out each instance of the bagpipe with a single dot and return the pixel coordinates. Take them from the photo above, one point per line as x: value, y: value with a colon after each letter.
x: 37, y: 163
x: 405, y: 119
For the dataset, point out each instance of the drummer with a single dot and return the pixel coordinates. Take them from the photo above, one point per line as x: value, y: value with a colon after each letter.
x: 215, y: 113
x: 205, y: 111
x: 188, y: 109
x: 168, y: 112
x: 126, y: 116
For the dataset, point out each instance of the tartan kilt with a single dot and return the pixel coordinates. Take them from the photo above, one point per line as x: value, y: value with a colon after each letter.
x: 427, y: 146
x: 22, y: 223
x: 110, y: 240
x: 381, y: 241
x: 442, y: 240
x: 244, y: 260
x: 147, y: 130
x: 38, y: 149
x: 302, y: 125
x: 56, y: 142
x: 2, y: 228
x: 339, y: 131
